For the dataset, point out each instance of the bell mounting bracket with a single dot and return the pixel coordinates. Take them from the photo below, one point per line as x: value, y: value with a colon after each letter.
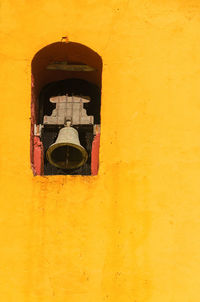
x: 69, y: 108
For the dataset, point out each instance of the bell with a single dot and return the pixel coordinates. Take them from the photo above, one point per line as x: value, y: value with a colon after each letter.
x: 67, y: 152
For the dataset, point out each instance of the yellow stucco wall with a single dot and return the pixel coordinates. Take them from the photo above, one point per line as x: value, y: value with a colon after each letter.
x: 132, y: 233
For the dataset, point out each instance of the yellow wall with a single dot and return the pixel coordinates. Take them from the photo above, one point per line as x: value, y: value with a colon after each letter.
x: 131, y: 234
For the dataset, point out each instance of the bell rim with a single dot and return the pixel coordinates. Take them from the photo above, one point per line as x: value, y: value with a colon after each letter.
x: 79, y: 147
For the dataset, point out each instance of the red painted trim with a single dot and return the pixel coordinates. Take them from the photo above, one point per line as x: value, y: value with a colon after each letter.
x: 36, y: 146
x: 38, y: 165
x: 32, y: 125
x: 95, y: 155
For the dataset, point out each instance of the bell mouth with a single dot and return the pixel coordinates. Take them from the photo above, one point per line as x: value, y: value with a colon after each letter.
x: 67, y: 156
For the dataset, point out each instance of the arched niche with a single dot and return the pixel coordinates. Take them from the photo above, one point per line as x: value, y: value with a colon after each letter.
x: 58, y: 69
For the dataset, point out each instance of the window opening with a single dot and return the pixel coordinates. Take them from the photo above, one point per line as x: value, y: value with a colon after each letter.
x: 65, y: 115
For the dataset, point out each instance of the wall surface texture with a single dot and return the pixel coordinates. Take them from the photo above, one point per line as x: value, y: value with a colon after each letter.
x: 132, y: 233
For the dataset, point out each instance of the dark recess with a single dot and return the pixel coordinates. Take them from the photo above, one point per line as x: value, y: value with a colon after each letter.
x: 50, y: 132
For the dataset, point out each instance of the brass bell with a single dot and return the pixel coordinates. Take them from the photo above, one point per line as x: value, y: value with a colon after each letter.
x: 67, y: 152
